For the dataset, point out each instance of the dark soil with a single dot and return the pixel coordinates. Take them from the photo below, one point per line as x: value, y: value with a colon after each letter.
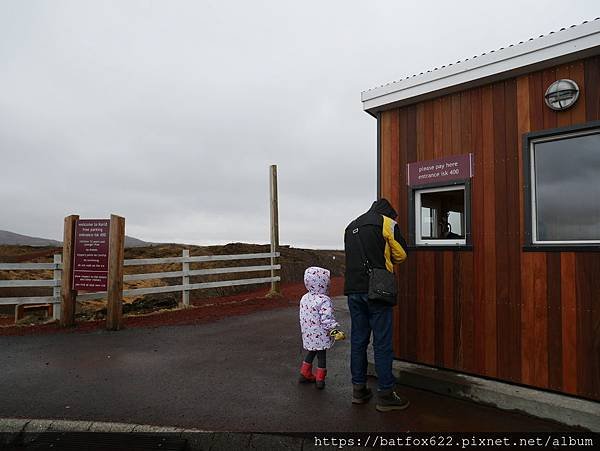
x: 293, y: 262
x: 202, y: 311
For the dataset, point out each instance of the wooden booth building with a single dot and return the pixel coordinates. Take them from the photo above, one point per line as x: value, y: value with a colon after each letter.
x: 493, y: 164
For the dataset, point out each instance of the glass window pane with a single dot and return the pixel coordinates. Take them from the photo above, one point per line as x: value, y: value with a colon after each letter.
x: 442, y: 214
x: 567, y: 189
x: 426, y: 222
x: 455, y: 219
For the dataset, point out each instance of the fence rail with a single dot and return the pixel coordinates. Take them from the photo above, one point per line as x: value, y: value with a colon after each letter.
x: 29, y: 283
x: 199, y: 272
x: 24, y: 300
x: 185, y: 287
x: 29, y: 266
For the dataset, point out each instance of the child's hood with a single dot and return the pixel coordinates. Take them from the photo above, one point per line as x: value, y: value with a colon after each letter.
x: 316, y: 280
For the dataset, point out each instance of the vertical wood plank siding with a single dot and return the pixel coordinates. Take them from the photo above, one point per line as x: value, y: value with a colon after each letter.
x: 496, y: 311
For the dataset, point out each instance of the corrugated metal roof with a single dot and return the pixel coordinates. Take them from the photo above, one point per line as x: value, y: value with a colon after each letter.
x: 550, y: 48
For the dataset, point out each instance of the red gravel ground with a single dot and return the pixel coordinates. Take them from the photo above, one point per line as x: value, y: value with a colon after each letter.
x: 203, y: 311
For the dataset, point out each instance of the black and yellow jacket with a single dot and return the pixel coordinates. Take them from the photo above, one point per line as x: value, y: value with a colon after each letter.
x: 382, y: 242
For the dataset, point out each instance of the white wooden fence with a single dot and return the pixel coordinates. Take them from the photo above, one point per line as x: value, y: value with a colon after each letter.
x: 185, y: 287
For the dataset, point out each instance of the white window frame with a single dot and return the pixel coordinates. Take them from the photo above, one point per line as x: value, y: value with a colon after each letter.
x: 532, y: 144
x: 419, y: 241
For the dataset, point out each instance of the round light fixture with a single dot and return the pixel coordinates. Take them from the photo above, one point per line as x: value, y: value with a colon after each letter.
x: 561, y: 94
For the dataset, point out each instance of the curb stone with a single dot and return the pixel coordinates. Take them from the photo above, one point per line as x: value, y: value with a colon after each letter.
x: 34, y: 428
x: 66, y: 426
x: 18, y: 432
x: 537, y: 403
x: 11, y: 429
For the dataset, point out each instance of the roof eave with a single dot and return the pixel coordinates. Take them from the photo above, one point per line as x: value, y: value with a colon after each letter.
x: 557, y: 48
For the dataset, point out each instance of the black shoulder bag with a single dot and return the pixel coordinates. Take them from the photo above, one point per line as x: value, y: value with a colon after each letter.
x: 382, y: 283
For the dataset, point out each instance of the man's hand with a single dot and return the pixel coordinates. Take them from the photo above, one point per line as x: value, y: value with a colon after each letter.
x: 337, y: 334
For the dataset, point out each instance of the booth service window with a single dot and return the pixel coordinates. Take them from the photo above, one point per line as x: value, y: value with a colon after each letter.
x: 440, y: 216
x: 564, y: 187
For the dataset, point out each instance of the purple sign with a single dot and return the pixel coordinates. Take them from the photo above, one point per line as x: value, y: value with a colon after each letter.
x: 90, y: 266
x: 458, y: 167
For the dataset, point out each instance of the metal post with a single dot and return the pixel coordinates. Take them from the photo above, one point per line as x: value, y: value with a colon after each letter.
x: 185, y: 267
x: 275, y: 286
x: 56, y: 290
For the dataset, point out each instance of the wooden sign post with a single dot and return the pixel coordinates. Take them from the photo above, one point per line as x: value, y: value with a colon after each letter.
x: 116, y: 250
x: 67, y: 294
x: 275, y: 287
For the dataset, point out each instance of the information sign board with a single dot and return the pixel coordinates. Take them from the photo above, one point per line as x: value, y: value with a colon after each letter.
x: 90, y: 265
x: 456, y: 167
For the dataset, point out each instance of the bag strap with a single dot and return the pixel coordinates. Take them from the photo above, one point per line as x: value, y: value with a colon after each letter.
x: 367, y: 265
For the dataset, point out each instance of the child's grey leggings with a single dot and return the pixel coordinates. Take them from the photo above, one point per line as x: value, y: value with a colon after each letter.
x: 321, y: 356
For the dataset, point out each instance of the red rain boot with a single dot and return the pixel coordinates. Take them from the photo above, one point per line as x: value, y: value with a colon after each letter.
x: 306, y: 374
x: 321, y: 373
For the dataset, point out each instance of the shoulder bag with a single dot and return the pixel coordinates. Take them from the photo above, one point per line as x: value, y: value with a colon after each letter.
x: 382, y: 283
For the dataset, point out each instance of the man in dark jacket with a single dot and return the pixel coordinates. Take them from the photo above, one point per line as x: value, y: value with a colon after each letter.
x: 382, y: 246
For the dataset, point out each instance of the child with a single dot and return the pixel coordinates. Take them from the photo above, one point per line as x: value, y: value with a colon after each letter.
x: 318, y: 324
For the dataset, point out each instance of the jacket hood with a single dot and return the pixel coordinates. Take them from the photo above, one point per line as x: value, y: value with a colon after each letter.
x: 383, y: 207
x: 316, y: 280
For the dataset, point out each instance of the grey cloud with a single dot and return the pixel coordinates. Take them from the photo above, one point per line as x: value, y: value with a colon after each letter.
x: 170, y: 113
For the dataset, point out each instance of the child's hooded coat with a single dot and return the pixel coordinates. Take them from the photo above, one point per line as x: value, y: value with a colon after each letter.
x: 316, y: 311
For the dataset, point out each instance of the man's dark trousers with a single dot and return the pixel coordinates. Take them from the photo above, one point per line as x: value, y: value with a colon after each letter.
x: 367, y: 317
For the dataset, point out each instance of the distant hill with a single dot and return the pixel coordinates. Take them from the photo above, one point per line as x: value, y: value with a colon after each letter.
x: 135, y: 242
x: 12, y: 239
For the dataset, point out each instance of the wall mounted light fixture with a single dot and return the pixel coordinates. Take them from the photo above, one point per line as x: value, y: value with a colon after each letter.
x: 561, y: 94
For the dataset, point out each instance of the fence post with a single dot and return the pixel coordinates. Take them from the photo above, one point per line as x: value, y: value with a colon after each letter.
x: 185, y: 267
x: 56, y: 290
x: 116, y: 249
x: 275, y: 287
x: 67, y: 294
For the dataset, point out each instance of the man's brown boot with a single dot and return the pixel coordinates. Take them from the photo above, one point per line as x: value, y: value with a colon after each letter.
x: 361, y: 394
x: 388, y: 400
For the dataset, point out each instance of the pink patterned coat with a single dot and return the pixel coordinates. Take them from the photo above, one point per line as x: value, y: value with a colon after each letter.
x: 316, y: 311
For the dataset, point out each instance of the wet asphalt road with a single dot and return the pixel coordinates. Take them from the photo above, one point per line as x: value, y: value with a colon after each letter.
x: 238, y: 374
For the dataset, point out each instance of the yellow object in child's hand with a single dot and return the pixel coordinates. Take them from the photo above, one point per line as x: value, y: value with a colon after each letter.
x: 337, y: 334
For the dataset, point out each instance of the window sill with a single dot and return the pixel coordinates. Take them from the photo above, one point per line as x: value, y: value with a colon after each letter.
x: 562, y: 248
x: 445, y: 247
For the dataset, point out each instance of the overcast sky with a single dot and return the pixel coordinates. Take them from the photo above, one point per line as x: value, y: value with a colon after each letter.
x: 170, y: 112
